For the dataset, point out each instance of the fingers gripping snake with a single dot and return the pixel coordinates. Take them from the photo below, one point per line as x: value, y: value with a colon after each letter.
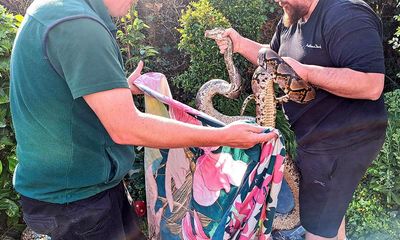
x: 272, y: 69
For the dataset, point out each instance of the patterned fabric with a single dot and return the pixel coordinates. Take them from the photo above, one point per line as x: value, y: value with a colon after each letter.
x: 208, y: 193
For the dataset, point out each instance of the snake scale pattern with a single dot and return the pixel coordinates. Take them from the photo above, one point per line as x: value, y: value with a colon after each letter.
x: 272, y: 70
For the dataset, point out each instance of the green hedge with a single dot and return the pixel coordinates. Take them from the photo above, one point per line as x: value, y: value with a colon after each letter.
x: 205, y: 61
x: 375, y: 210
x: 9, y: 209
x: 395, y: 41
x: 247, y: 17
x: 131, y: 40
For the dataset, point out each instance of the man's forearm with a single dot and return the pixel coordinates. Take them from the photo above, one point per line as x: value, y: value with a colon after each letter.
x: 167, y: 133
x: 249, y: 49
x: 346, y: 82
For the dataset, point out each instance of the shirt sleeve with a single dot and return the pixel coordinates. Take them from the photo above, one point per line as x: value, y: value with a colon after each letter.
x: 85, y: 54
x: 353, y: 36
x: 275, y: 41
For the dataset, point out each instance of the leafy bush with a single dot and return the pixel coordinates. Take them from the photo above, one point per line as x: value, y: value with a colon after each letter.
x: 206, y: 62
x: 132, y: 40
x: 395, y: 41
x: 10, y: 210
x: 375, y: 210
x: 247, y: 17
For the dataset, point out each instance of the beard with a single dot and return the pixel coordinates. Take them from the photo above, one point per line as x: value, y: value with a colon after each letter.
x: 293, y: 13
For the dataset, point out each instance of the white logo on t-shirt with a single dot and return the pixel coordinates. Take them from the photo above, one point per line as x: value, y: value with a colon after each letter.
x: 313, y: 46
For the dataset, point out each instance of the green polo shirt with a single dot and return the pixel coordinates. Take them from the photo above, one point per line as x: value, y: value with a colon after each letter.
x: 63, y: 51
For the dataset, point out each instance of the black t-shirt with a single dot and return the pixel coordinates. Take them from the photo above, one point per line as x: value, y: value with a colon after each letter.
x: 341, y: 34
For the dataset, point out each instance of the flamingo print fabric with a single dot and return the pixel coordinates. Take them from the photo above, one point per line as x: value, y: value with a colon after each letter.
x: 208, y: 193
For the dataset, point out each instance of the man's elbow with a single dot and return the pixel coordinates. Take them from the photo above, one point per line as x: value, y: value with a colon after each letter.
x: 127, y: 138
x: 376, y: 90
x: 375, y: 95
x: 121, y: 134
x: 119, y: 138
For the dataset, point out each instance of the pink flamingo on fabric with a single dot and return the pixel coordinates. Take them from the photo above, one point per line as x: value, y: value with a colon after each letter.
x: 214, y: 172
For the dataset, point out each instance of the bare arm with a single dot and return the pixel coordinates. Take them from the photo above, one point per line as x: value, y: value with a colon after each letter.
x: 127, y: 125
x: 343, y: 82
x: 249, y: 49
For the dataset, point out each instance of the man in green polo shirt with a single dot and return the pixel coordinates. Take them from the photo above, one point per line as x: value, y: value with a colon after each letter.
x: 76, y: 123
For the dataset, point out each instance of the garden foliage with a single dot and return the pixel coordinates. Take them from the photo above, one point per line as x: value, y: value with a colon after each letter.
x: 247, y: 17
x: 375, y: 210
x: 132, y: 40
x: 205, y: 61
x: 395, y: 41
x: 9, y: 209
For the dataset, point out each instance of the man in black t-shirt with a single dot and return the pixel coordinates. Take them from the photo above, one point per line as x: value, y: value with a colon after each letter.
x: 336, y: 45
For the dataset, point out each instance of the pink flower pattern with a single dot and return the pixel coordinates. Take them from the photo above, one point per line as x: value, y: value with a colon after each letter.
x: 213, y: 173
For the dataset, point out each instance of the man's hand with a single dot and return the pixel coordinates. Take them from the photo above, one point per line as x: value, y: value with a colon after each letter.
x: 299, y: 68
x: 137, y: 73
x: 244, y: 135
x: 244, y: 46
x: 234, y: 36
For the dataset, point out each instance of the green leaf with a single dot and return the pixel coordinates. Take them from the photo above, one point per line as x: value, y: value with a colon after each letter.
x: 10, y: 206
x: 19, y: 18
x: 12, y: 162
x: 5, y: 193
x: 4, y: 98
x: 5, y: 140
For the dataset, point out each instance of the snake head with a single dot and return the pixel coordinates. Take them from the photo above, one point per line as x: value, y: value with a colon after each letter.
x: 215, y: 33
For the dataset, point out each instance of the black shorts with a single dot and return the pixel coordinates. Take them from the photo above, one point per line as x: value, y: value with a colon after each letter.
x: 328, y: 181
x: 107, y: 215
